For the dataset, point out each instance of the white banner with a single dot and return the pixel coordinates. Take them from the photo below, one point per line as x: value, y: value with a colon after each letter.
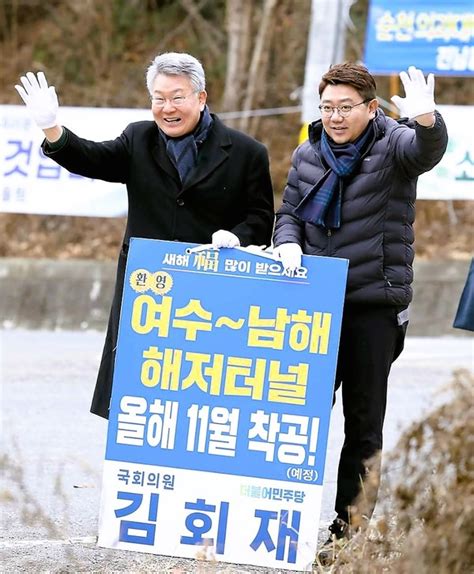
x: 453, y: 177
x: 33, y: 183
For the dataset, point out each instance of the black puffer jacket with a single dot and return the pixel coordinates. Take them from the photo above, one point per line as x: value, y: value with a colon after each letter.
x: 378, y: 208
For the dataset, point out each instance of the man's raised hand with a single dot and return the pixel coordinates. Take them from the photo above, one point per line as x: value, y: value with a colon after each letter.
x: 40, y: 99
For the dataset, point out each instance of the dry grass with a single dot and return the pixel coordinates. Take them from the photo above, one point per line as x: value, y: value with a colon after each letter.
x: 426, y: 514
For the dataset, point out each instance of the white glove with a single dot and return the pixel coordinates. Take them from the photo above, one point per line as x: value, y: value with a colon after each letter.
x: 419, y: 94
x: 41, y: 100
x: 223, y: 238
x: 290, y: 256
x: 257, y: 249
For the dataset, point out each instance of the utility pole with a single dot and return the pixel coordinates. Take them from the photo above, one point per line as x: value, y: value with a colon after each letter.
x: 326, y: 43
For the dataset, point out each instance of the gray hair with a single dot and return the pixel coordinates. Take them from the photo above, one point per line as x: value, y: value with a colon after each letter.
x: 176, y: 64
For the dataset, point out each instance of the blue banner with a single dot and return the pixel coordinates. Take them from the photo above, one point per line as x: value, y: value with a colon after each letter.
x: 227, y: 330
x: 433, y: 35
x: 221, y: 401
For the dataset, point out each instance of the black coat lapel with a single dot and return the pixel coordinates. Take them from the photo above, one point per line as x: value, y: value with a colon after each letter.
x: 214, y: 151
x: 161, y: 158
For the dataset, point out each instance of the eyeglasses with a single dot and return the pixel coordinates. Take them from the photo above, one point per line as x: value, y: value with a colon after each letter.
x: 343, y: 111
x: 175, y: 101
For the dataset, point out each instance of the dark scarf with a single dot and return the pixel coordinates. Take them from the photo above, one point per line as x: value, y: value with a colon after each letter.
x: 322, y: 204
x: 183, y: 151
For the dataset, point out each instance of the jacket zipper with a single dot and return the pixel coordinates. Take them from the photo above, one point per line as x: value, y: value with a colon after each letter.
x: 329, y: 234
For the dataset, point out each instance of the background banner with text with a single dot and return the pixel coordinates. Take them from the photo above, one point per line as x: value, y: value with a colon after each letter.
x: 434, y: 35
x: 34, y: 183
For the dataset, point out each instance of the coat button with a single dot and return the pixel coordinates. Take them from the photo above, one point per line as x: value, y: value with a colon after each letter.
x: 180, y: 202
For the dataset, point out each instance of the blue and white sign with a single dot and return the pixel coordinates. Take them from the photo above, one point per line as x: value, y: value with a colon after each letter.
x: 433, y: 35
x: 220, y: 408
x: 30, y: 182
x: 453, y: 177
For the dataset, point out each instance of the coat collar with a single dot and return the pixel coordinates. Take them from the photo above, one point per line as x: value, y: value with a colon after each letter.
x: 161, y: 158
x: 212, y: 154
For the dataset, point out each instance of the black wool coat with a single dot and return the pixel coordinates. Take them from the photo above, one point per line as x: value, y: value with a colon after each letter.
x: 230, y: 188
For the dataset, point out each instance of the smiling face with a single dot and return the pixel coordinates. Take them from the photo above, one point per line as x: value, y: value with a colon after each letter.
x: 176, y: 120
x: 343, y: 130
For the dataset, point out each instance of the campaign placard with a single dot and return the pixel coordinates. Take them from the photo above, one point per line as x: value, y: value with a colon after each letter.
x: 220, y: 407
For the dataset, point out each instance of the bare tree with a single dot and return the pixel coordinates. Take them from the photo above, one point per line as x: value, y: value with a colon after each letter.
x: 239, y: 40
x: 249, y: 33
x: 214, y: 36
x: 180, y: 28
x: 259, y: 57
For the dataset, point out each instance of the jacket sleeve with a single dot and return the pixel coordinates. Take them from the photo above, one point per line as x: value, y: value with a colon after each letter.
x: 107, y: 160
x: 419, y: 149
x: 288, y: 227
x: 257, y: 227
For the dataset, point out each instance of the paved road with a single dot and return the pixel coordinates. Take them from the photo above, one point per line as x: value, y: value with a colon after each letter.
x: 53, y: 448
